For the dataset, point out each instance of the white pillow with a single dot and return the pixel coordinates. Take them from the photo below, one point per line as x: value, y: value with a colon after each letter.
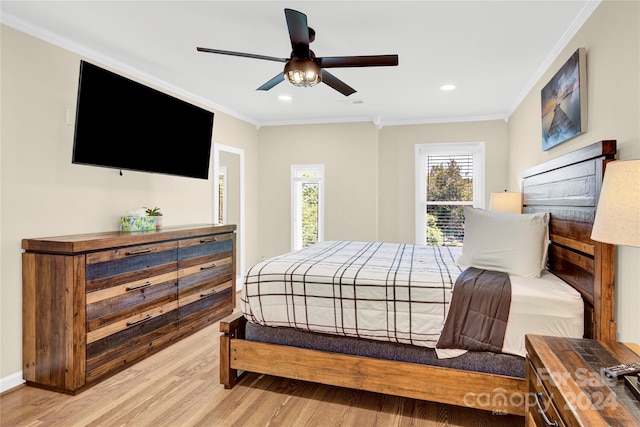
x: 512, y: 243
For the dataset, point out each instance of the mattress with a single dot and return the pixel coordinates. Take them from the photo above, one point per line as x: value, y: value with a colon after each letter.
x: 393, y: 292
x: 473, y: 361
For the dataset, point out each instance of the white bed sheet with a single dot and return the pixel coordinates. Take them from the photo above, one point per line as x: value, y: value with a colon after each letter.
x: 543, y: 306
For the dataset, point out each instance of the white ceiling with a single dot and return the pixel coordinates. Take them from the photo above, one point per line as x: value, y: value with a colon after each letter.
x: 493, y: 51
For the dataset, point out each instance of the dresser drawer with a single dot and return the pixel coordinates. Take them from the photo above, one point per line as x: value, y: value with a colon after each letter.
x: 204, y: 249
x: 125, y: 319
x: 110, y: 268
x: 142, y: 337
x: 119, y: 302
x: 541, y: 410
x: 203, y: 278
x: 206, y: 308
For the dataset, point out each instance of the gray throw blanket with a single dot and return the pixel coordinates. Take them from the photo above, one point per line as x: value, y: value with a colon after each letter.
x: 479, y: 311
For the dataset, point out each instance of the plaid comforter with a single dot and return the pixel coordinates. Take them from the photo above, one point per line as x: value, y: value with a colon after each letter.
x: 382, y: 291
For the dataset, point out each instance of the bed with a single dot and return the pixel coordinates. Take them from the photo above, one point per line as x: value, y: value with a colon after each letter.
x: 402, y: 359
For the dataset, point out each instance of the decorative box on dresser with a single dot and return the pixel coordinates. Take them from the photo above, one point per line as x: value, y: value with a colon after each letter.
x: 94, y: 304
x: 567, y: 386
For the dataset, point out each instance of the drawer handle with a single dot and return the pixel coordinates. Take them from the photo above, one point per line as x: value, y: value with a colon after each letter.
x: 211, y: 240
x: 144, y: 319
x: 140, y: 286
x: 539, y: 395
x: 142, y: 251
x: 208, y: 267
x: 208, y: 293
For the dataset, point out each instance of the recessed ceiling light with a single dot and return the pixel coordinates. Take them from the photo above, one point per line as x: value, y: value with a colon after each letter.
x: 447, y: 87
x: 284, y: 97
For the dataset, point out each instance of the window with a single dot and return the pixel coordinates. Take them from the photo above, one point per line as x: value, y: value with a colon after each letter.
x: 306, y: 201
x: 448, y: 177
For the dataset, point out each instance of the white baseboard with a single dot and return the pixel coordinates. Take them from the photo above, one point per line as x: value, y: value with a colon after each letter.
x: 11, y: 381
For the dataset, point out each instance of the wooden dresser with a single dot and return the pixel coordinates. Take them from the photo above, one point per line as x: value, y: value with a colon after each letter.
x: 567, y: 386
x: 94, y: 304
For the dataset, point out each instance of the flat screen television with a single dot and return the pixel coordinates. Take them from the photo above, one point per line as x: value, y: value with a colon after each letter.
x: 123, y: 124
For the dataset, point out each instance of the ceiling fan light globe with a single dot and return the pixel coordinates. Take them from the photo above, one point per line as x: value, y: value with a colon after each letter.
x: 302, y: 72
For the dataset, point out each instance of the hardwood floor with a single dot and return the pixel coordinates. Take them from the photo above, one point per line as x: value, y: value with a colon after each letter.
x: 179, y: 387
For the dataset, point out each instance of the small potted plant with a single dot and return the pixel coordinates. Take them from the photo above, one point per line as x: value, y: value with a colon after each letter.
x: 155, y: 212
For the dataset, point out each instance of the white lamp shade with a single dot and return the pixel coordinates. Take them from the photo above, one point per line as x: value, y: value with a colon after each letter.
x: 509, y: 202
x: 617, y: 218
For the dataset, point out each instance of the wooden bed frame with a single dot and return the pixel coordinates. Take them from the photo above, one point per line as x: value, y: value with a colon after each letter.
x: 568, y: 187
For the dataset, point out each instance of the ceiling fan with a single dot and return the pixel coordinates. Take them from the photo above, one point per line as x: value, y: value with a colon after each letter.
x: 303, y: 68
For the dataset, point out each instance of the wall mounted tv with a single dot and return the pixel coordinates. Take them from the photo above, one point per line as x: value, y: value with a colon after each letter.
x: 123, y: 124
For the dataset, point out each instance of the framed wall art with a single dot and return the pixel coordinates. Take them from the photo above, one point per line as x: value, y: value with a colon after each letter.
x: 564, y: 102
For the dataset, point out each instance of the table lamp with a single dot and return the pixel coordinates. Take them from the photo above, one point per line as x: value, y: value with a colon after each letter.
x: 617, y: 218
x: 506, y: 201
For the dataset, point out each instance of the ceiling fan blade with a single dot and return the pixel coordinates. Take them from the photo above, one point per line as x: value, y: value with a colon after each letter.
x: 357, y: 61
x: 271, y: 83
x: 244, y: 55
x: 298, y: 32
x: 337, y: 84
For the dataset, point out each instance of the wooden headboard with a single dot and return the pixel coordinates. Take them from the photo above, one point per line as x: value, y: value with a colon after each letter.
x: 568, y: 188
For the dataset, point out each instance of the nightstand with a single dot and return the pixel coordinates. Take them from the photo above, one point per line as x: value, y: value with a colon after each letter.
x: 567, y: 387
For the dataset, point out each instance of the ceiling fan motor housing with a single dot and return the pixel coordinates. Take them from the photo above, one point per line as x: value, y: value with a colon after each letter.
x: 302, y: 72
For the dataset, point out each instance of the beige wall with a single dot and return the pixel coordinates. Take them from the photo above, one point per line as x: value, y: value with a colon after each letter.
x: 397, y: 175
x: 612, y: 40
x: 350, y: 158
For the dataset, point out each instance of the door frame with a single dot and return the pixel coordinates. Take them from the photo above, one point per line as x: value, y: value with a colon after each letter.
x: 217, y: 148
